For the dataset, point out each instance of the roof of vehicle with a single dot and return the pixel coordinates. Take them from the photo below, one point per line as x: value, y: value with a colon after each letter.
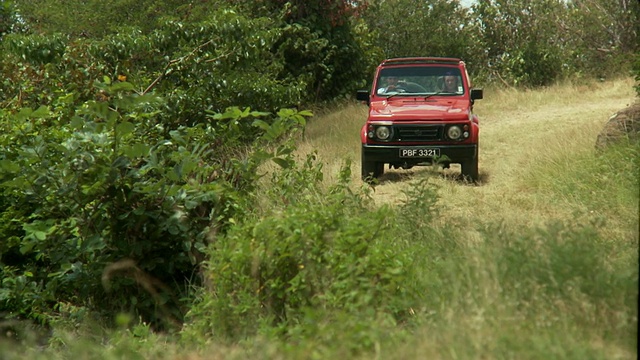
x: 421, y: 60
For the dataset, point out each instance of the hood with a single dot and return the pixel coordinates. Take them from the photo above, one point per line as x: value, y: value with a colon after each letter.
x: 417, y: 108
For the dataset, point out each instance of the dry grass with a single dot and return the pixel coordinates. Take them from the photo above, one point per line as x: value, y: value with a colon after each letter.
x: 519, y: 129
x: 525, y: 136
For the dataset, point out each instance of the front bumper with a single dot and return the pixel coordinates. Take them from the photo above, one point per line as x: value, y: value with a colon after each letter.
x: 390, y: 154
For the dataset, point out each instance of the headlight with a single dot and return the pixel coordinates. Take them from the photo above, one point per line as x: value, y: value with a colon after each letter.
x: 454, y: 132
x: 383, y: 133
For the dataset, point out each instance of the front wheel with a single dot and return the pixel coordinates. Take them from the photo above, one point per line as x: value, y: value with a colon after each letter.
x: 371, y: 169
x: 470, y: 170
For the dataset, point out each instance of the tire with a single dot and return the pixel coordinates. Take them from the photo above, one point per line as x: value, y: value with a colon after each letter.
x: 371, y: 169
x: 470, y: 170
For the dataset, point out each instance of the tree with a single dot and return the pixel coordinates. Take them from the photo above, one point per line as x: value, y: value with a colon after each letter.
x: 522, y: 40
x: 425, y: 28
x: 319, y: 42
x: 536, y: 42
x: 604, y: 34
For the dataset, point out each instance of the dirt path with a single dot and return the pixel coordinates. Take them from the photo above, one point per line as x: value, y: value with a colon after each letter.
x: 518, y: 130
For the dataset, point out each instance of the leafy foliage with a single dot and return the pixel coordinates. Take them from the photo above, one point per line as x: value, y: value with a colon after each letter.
x: 181, y: 62
x: 324, y: 49
x: 326, y: 253
x: 301, y: 52
x: 110, y: 194
x: 555, y: 39
x: 318, y: 43
x: 10, y: 21
x: 96, y: 19
x: 530, y: 56
x: 513, y: 42
x: 402, y: 30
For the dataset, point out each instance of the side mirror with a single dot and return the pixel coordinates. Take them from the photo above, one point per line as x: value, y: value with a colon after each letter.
x: 363, y: 95
x: 476, y: 94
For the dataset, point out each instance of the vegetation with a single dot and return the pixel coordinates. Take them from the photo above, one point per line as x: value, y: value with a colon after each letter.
x: 164, y: 191
x: 294, y: 278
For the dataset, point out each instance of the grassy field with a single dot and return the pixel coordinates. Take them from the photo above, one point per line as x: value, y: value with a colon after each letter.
x: 531, y: 144
x: 539, y: 168
x: 537, y: 261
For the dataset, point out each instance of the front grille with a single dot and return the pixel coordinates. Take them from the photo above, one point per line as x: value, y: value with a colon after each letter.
x: 407, y: 133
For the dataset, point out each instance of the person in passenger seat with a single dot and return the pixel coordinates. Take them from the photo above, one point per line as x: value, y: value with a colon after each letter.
x: 450, y: 84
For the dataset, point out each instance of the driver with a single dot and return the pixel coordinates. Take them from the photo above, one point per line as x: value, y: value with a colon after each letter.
x: 392, y: 85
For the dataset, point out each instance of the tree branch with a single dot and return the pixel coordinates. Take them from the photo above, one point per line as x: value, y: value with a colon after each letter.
x: 167, y: 69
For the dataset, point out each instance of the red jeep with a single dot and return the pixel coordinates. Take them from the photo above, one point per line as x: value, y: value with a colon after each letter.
x: 420, y: 113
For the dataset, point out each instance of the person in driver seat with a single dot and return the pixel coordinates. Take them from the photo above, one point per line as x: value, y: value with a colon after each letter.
x: 392, y: 85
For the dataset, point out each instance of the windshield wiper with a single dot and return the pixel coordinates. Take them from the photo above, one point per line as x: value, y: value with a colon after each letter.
x: 434, y: 94
x: 404, y: 94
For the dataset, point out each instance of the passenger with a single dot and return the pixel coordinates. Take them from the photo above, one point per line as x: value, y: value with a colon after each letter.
x: 450, y: 84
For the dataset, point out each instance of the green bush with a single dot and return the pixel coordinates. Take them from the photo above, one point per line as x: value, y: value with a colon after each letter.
x: 228, y: 59
x: 319, y: 255
x: 110, y: 200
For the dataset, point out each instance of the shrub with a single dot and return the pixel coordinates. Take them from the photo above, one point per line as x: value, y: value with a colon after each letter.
x: 318, y: 255
x: 110, y: 197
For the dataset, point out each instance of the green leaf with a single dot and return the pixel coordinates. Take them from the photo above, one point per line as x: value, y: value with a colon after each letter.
x: 24, y: 113
x: 41, y: 112
x: 121, y: 86
x: 77, y: 122
x: 261, y: 124
x: 26, y: 247
x: 231, y: 113
x: 188, y: 165
x: 9, y: 166
x: 125, y: 128
x: 282, y: 162
x: 259, y: 113
x: 136, y: 150
x: 5, y: 294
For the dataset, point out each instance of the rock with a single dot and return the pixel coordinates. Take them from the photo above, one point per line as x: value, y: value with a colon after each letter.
x: 623, y: 125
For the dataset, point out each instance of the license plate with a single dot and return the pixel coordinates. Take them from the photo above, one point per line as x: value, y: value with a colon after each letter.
x: 419, y: 152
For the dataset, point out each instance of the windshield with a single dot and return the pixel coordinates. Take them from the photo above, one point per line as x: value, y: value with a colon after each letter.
x: 420, y: 80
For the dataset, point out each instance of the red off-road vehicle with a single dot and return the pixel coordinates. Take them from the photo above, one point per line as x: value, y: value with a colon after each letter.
x: 420, y: 113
